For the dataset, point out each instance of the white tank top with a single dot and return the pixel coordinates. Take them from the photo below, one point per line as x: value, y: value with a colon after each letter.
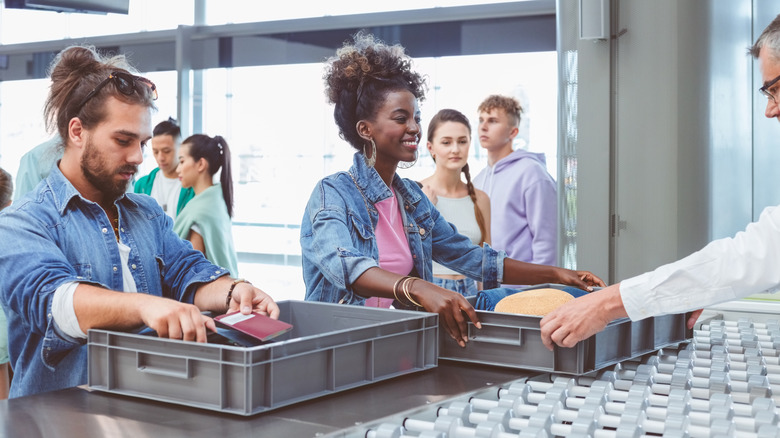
x: 458, y: 212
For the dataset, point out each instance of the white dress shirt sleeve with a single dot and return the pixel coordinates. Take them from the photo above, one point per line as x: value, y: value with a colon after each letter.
x: 723, y: 270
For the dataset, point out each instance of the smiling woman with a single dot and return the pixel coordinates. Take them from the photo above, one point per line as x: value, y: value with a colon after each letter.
x: 368, y: 236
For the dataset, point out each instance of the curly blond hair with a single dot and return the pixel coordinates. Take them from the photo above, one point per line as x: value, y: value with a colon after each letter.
x: 510, y: 105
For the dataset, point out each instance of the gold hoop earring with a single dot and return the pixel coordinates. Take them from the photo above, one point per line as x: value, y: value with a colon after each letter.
x: 370, y: 161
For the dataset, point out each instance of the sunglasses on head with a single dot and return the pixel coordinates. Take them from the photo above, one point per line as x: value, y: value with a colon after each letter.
x: 124, y: 82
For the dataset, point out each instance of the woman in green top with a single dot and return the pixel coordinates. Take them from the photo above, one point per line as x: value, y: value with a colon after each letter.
x: 205, y: 220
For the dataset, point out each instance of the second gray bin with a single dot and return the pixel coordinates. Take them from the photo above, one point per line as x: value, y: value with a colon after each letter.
x: 330, y: 348
x: 511, y: 340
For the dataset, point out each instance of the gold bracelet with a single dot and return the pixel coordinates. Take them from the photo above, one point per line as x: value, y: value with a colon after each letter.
x: 230, y: 291
x: 395, y: 288
x: 407, y: 293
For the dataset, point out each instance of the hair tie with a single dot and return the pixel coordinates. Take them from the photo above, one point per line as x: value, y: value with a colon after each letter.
x: 218, y: 140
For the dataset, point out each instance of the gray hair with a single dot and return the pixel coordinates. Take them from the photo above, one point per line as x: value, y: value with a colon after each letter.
x: 769, y: 38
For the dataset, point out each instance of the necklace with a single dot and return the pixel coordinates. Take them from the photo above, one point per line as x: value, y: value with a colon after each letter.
x: 115, y: 222
x: 365, y: 201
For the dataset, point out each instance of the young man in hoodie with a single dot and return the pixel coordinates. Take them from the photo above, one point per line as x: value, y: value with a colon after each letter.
x: 523, y: 199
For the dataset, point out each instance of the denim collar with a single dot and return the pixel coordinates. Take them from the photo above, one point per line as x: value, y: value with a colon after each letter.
x: 63, y: 191
x: 373, y: 186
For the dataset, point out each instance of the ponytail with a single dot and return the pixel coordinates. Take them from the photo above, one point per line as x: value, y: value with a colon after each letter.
x: 477, y: 211
x: 226, y: 177
x: 217, y: 153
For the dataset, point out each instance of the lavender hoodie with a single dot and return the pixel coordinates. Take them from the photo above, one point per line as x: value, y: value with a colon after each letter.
x: 523, y: 207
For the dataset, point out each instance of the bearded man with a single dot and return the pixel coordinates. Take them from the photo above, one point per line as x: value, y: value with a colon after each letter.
x: 79, y: 252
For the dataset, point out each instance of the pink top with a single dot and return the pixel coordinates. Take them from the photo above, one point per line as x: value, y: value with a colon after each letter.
x: 394, y: 253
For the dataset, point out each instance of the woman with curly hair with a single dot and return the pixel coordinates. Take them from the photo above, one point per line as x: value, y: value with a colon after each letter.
x: 368, y: 234
x: 449, y: 139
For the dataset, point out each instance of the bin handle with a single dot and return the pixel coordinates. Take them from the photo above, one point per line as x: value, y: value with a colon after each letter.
x: 179, y: 369
x: 496, y: 334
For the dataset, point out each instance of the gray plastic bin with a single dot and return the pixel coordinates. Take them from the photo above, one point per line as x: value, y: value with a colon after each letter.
x: 331, y: 348
x: 512, y: 340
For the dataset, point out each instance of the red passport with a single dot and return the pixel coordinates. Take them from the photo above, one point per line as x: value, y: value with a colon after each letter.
x: 256, y: 325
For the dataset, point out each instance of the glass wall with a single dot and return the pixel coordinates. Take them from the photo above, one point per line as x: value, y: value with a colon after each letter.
x: 275, y: 117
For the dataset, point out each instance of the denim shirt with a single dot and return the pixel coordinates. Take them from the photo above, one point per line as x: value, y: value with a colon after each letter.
x: 54, y: 236
x: 338, y: 242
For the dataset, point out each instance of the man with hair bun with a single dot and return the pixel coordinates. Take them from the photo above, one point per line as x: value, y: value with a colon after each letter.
x: 79, y: 252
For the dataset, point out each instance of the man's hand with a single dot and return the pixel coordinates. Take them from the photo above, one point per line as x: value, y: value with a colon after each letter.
x: 581, y: 318
x: 248, y: 298
x: 173, y: 319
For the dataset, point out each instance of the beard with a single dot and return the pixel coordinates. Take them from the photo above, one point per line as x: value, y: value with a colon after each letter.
x: 96, y: 170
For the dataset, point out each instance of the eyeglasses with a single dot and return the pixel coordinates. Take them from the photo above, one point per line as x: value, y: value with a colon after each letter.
x: 765, y: 89
x: 124, y: 82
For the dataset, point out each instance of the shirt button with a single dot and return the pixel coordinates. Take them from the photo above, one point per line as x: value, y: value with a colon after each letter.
x: 213, y: 277
x: 133, y: 265
x: 123, y: 230
x: 105, y: 230
x: 115, y: 269
x: 422, y: 231
x: 217, y: 272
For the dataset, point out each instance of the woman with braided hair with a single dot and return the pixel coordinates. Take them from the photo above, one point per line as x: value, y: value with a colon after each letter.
x: 465, y: 207
x: 367, y: 234
x: 205, y: 220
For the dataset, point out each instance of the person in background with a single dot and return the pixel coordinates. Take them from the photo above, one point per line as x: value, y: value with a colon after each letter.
x: 163, y: 183
x: 206, y: 220
x: 524, y: 216
x: 724, y: 270
x: 79, y: 252
x: 468, y: 209
x: 36, y: 164
x: 6, y: 193
x: 367, y: 232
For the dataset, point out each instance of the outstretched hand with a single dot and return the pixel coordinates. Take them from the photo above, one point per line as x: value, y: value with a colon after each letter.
x: 585, y: 280
x: 581, y: 318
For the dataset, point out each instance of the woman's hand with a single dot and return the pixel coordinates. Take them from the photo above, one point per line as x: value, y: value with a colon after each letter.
x: 582, y: 279
x: 450, y: 306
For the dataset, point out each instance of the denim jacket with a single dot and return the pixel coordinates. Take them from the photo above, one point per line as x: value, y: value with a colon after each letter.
x: 54, y: 236
x: 338, y: 242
